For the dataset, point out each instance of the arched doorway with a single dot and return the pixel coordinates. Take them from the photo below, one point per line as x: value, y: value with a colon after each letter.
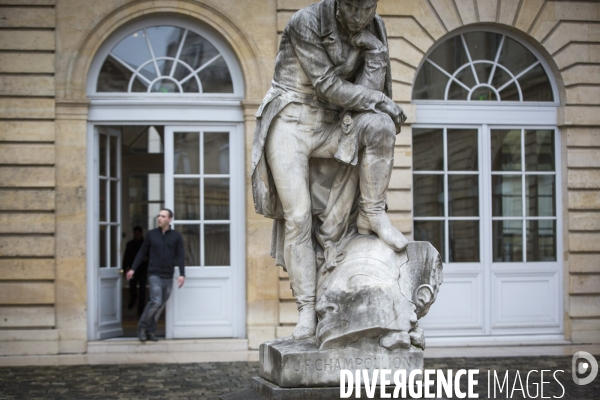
x: 165, y: 129
x: 486, y: 186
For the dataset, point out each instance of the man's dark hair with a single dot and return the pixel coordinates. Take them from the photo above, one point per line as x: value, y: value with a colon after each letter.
x: 169, y: 211
x: 137, y: 229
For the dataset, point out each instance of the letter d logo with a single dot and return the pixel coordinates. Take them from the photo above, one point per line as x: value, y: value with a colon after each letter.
x: 584, y: 363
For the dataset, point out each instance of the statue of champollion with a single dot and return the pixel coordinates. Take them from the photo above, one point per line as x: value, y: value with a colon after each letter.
x: 321, y: 164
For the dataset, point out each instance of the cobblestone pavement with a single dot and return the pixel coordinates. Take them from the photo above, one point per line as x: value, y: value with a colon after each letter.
x: 209, y: 380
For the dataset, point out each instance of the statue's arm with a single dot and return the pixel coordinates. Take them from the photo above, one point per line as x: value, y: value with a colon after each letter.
x: 304, y: 36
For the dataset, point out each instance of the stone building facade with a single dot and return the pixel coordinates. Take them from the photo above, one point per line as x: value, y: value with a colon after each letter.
x: 48, y: 117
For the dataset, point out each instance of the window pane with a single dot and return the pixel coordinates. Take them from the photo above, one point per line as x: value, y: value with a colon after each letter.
x: 102, y: 249
x: 165, y: 86
x: 463, y: 195
x: 114, y: 156
x: 114, y: 76
x: 541, y: 195
x: 515, y: 56
x: 482, y: 45
x: 535, y: 85
x: 114, y: 246
x: 102, y: 154
x: 510, y: 93
x: 507, y: 196
x: 216, y: 249
x: 191, y: 243
x: 464, y: 241
x: 450, y: 55
x: 483, y: 94
x: 541, y: 240
x: 507, y: 241
x: 457, y: 92
x: 216, y: 78
x: 433, y: 232
x: 187, y: 153
x: 428, y: 149
x: 466, y: 76
x: 187, y: 199
x: 133, y: 49
x: 462, y: 150
x: 500, y: 78
x: 216, y: 152
x: 428, y: 191
x: 539, y: 150
x: 216, y: 198
x: 114, y: 205
x: 103, y: 184
x: 483, y: 73
x: 430, y: 83
x: 506, y: 150
x: 165, y: 41
x: 196, y: 52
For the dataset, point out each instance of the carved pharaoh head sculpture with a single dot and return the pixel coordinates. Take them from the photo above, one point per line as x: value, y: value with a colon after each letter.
x: 378, y: 298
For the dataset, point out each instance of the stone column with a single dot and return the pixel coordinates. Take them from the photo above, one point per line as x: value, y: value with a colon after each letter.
x: 70, y: 233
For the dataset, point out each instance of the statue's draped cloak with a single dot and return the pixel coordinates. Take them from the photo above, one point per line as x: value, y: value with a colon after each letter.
x: 333, y: 185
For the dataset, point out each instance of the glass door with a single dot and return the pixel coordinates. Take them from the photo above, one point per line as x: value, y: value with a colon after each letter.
x: 202, y: 183
x: 486, y: 198
x: 108, y: 217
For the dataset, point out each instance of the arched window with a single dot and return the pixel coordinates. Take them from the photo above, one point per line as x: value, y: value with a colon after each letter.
x: 486, y: 184
x: 161, y: 57
x: 476, y: 66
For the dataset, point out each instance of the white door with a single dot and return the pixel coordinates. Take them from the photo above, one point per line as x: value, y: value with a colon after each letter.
x: 486, y: 197
x: 204, y: 188
x: 108, y: 231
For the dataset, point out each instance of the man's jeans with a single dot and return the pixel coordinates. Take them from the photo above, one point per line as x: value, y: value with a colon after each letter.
x: 160, y: 290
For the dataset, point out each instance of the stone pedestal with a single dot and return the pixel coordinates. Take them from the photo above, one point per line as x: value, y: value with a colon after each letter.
x: 290, y: 363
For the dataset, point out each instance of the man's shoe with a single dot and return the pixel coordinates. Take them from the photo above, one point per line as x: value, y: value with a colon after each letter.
x: 142, y: 335
x: 152, y: 336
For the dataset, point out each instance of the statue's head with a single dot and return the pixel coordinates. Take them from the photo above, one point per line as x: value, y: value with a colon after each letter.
x: 355, y: 15
x: 361, y: 297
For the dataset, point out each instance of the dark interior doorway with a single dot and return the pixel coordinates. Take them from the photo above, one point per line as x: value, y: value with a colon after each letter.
x: 142, y: 153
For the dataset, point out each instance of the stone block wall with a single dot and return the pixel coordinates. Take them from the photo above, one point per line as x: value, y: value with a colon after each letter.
x: 27, y: 178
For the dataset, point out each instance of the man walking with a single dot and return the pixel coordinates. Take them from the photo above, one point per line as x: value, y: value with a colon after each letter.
x: 133, y: 246
x: 166, y: 251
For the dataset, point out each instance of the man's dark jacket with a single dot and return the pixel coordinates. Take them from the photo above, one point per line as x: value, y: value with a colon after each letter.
x: 166, y: 251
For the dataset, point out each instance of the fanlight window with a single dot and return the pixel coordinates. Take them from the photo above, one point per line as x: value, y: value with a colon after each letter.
x: 165, y: 59
x: 482, y: 66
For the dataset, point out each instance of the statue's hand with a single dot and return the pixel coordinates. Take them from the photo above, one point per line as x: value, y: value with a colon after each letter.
x: 367, y: 40
x: 393, y: 110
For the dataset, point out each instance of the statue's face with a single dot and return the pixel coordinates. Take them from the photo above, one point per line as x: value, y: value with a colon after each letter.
x: 361, y: 298
x: 355, y: 15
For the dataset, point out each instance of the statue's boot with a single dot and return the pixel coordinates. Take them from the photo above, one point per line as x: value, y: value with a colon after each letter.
x: 375, y: 172
x: 381, y: 225
x: 301, y: 267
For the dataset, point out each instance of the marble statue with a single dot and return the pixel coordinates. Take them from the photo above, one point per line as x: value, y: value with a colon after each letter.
x: 322, y: 160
